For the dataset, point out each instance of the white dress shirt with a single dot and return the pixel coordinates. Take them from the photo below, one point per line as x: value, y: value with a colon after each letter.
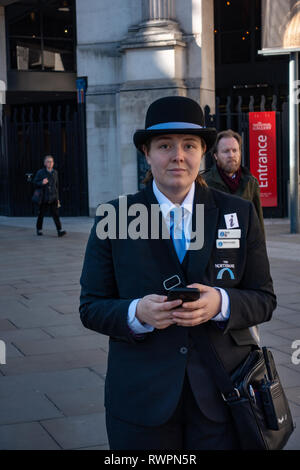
x: 166, y: 206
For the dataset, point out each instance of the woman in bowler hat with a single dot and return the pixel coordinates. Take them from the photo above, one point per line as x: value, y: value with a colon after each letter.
x: 160, y: 392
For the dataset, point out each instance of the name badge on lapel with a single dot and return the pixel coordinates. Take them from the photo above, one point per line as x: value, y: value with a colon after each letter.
x: 226, y: 233
x: 233, y: 243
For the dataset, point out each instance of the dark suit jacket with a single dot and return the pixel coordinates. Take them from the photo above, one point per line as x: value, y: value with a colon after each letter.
x: 145, y: 375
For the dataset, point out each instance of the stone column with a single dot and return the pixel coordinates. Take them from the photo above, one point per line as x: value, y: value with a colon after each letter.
x: 153, y: 49
x: 153, y: 66
x: 158, y: 10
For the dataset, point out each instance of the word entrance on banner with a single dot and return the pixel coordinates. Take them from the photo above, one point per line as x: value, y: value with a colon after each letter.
x: 263, y: 162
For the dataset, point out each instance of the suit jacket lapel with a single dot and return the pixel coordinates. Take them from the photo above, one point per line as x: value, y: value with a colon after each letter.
x: 198, y: 259
x: 163, y: 249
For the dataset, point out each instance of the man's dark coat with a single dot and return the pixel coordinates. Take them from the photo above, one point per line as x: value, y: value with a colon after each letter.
x: 50, y: 190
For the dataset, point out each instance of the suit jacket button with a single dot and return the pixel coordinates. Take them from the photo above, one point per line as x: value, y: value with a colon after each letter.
x: 183, y: 350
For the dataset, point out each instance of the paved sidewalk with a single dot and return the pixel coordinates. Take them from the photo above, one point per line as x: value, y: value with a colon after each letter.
x: 51, y: 387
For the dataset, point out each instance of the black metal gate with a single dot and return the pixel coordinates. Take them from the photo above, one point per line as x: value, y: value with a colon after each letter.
x: 31, y: 133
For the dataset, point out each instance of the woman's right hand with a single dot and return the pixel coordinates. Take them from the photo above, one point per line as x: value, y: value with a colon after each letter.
x: 156, y: 311
x: 45, y: 181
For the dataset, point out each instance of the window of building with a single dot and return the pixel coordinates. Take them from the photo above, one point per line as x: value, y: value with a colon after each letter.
x: 237, y: 31
x: 41, y: 35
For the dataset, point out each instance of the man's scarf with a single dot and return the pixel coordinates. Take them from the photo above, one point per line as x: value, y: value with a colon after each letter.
x: 232, y: 182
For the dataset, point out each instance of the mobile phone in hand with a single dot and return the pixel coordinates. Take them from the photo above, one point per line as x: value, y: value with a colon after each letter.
x: 186, y: 294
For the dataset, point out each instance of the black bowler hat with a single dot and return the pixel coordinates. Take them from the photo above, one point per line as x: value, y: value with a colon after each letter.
x: 174, y: 115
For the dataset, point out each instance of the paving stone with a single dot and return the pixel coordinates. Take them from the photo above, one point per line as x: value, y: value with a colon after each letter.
x: 99, y: 370
x: 285, y: 288
x: 287, y: 349
x: 28, y: 290
x: 273, y: 325
x: 287, y: 315
x: 12, y: 351
x: 295, y: 410
x: 42, y: 284
x: 57, y: 288
x: 294, y: 441
x: 270, y: 339
x: 289, y: 333
x: 6, y: 325
x: 73, y: 294
x: 68, y: 330
x: 21, y: 407
x: 24, y: 334
x: 36, y: 299
x: 6, y: 290
x: 10, y: 308
x: 292, y: 300
x: 78, y: 431
x: 10, y: 274
x: 43, y: 316
x: 56, y: 345
x: 105, y: 447
x: 280, y: 357
x: 26, y: 436
x: 79, y: 402
x: 288, y: 377
x: 52, y: 362
x: 57, y: 382
x: 293, y: 394
x: 66, y: 308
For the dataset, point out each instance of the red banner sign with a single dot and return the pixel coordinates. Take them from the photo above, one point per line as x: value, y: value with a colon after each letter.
x: 262, y: 138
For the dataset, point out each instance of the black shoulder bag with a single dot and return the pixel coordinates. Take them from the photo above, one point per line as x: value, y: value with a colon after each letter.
x: 37, y: 196
x: 256, y: 399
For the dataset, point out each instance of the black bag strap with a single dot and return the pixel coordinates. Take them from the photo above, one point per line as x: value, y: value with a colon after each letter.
x: 219, y: 373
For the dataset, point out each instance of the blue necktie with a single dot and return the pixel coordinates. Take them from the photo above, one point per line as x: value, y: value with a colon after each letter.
x: 179, y: 243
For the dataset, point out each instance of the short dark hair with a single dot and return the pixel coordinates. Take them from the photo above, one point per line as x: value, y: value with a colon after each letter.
x: 227, y: 134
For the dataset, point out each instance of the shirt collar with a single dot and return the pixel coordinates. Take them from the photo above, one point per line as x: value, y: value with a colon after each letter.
x: 166, y: 205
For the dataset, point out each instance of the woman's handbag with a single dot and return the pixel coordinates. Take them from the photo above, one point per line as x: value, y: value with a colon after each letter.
x: 37, y: 196
x: 256, y: 399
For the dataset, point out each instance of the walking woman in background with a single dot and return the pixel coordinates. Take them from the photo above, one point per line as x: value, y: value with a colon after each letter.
x: 47, y: 180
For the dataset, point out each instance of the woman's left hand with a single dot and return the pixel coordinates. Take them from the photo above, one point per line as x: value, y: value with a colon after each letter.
x: 199, y: 311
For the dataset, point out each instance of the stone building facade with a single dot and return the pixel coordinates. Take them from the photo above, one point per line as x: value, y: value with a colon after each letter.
x: 133, y: 52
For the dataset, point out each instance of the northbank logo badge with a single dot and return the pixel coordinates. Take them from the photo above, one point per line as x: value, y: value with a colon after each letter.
x: 222, y: 271
x: 225, y: 267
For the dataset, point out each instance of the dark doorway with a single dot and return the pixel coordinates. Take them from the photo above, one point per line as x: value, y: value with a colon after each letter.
x: 30, y: 133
